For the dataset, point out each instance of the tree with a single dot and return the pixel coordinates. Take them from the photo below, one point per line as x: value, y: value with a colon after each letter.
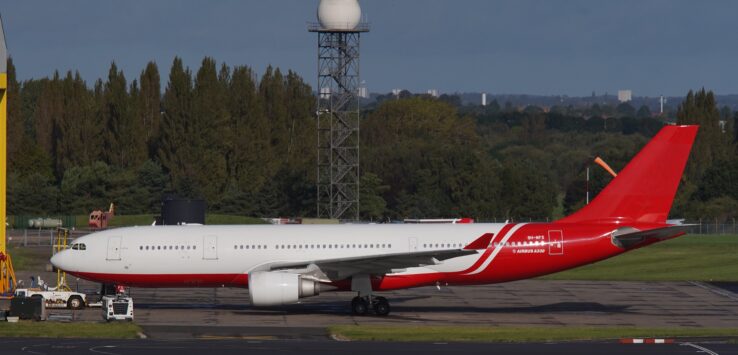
x: 177, y: 105
x: 16, y: 132
x: 207, y: 132
x: 150, y: 106
x: 49, y: 110
x: 711, y: 144
x: 273, y: 96
x: 493, y: 107
x: 150, y: 177
x: 34, y: 193
x: 625, y: 110
x: 526, y: 193
x: 429, y: 157
x: 125, y: 142
x: 643, y: 112
x: 251, y: 161
x: 373, y: 205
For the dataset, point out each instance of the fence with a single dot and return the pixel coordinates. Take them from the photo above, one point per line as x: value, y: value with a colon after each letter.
x: 712, y: 226
x: 38, y: 237
x: 22, y: 221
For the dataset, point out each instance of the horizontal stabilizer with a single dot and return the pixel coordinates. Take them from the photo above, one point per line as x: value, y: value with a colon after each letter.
x: 481, y: 242
x: 629, y: 237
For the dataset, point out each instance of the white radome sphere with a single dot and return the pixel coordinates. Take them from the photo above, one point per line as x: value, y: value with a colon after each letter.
x: 339, y: 14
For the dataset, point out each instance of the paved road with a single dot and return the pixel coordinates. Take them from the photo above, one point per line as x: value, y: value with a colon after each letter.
x: 240, y: 347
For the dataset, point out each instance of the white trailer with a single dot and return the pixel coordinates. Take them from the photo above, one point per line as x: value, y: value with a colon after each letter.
x: 54, y: 298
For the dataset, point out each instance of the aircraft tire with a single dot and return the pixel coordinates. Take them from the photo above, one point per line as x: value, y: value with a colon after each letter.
x: 359, y: 306
x: 381, y: 306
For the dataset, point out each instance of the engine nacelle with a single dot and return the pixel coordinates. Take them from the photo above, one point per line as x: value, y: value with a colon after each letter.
x: 269, y: 288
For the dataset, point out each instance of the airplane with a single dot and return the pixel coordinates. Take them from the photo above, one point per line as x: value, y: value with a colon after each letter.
x: 281, y: 264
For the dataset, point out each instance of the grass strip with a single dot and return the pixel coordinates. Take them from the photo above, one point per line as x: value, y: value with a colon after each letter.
x: 30, y: 329
x: 516, y: 334
x: 687, y: 258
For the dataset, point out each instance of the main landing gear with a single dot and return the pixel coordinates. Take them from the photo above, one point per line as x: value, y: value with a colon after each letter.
x: 366, y: 301
x: 361, y: 306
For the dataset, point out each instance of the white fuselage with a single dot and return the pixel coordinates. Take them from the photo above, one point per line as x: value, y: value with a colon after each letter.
x: 222, y: 252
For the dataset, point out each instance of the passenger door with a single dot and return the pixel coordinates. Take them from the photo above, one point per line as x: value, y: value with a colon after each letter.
x: 413, y: 243
x: 113, y: 248
x: 210, y: 247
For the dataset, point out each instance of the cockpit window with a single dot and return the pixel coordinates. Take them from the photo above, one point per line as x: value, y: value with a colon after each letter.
x: 79, y: 246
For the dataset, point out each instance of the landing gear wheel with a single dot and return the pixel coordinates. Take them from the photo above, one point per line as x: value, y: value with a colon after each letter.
x: 359, y: 306
x: 381, y: 306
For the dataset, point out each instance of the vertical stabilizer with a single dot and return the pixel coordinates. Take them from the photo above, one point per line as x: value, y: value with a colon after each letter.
x: 644, y: 190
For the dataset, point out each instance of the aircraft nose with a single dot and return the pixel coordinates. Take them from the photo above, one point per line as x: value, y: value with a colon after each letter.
x: 60, y: 260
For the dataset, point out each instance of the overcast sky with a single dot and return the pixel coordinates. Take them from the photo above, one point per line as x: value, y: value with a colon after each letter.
x: 526, y: 47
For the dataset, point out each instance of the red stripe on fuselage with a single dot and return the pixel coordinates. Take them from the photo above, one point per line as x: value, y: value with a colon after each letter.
x: 167, y: 280
x: 506, y: 228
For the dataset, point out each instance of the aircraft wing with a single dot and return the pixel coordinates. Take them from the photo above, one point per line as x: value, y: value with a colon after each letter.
x: 341, y: 268
x: 629, y: 237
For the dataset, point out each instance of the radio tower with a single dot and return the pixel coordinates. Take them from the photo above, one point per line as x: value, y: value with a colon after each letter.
x: 339, y: 28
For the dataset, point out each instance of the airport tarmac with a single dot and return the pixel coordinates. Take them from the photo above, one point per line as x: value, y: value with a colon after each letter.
x: 520, y: 303
x: 233, y: 346
x: 185, y: 321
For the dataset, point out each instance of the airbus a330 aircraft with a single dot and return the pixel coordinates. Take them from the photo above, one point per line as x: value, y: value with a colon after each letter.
x: 282, y: 264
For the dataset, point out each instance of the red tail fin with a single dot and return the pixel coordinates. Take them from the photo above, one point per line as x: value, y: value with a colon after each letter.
x: 644, y: 190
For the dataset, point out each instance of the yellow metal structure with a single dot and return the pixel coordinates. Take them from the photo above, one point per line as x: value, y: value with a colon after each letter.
x: 60, y: 244
x: 7, y: 274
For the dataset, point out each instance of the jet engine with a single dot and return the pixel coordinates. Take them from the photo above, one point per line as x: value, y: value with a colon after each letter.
x: 278, y: 288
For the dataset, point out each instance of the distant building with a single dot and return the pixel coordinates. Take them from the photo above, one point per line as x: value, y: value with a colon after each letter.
x: 625, y: 95
x: 484, y: 99
x: 363, y: 92
x: 433, y: 92
x: 396, y: 92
